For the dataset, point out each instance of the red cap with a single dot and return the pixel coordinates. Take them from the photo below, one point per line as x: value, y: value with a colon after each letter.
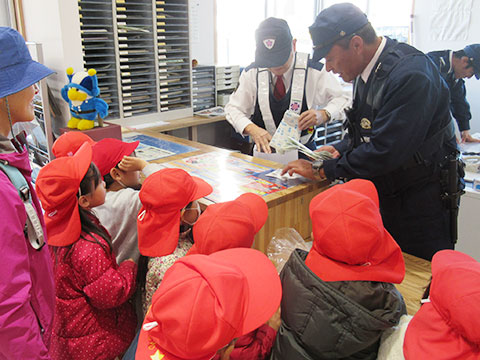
x: 448, y: 326
x: 57, y: 187
x: 68, y: 143
x: 350, y: 242
x: 229, y: 225
x: 205, y: 301
x: 108, y: 152
x: 163, y: 195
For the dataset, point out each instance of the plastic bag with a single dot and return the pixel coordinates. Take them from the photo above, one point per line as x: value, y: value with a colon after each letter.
x: 282, y: 245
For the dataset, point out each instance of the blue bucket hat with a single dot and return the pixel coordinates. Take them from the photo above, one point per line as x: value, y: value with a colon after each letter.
x: 333, y: 24
x: 473, y: 52
x: 274, y: 43
x: 17, y: 69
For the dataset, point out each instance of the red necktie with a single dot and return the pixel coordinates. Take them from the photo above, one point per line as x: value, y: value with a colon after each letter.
x: 279, y: 91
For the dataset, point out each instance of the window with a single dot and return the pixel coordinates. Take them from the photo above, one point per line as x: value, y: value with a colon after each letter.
x: 299, y: 14
x: 236, y: 25
x: 238, y: 20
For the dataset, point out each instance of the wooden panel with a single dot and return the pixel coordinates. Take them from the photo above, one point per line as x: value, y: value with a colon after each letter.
x: 417, y: 277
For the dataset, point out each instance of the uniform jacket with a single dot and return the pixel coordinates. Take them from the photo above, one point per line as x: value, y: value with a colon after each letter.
x: 26, y: 280
x: 322, y: 91
x: 332, y: 320
x: 93, y: 317
x: 411, y: 110
x: 459, y: 105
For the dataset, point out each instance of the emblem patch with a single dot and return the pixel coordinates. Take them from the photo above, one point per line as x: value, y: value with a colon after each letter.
x: 295, y: 106
x: 365, y: 124
x: 269, y: 43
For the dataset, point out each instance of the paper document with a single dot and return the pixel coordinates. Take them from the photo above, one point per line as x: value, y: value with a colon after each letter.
x: 288, y: 128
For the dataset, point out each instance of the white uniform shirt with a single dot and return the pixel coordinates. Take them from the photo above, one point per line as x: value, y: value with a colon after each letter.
x: 322, y: 90
x: 119, y: 216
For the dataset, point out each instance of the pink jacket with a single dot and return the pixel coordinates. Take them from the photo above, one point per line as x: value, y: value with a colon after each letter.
x: 26, y: 278
x: 93, y: 317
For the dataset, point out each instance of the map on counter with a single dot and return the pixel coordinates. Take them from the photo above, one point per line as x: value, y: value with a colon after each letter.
x: 151, y: 148
x: 231, y: 176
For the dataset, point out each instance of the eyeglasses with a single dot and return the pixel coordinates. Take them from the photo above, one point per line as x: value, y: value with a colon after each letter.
x: 193, y: 206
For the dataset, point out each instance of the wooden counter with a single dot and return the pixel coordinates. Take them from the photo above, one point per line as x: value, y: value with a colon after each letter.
x: 417, y: 276
x: 286, y: 208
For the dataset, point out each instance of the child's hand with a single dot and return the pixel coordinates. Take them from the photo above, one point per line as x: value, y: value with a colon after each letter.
x: 275, y: 320
x: 131, y: 163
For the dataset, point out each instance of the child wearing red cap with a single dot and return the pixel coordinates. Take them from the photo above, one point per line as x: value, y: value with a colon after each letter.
x: 93, y: 316
x: 447, y: 326
x: 339, y: 297
x: 27, y: 294
x: 169, y: 203
x: 233, y: 224
x: 206, y: 302
x: 68, y: 143
x: 121, y: 173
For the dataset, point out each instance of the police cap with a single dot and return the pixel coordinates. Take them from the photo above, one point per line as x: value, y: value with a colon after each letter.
x: 333, y: 24
x: 473, y: 52
x: 274, y: 43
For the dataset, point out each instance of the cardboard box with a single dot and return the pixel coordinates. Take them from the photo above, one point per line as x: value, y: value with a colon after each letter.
x: 98, y: 133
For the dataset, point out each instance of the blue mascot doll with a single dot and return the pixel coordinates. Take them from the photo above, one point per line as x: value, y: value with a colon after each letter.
x: 81, y: 94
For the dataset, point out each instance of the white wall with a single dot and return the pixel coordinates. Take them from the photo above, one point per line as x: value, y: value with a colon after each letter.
x: 202, y: 31
x: 424, y: 10
x: 55, y: 24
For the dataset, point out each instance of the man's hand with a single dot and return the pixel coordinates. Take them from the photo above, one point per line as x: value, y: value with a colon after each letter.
x: 260, y: 136
x: 311, y: 118
x: 330, y: 149
x: 302, y: 167
x: 466, y: 137
x: 131, y: 163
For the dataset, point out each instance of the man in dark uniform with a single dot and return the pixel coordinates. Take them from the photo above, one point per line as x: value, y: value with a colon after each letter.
x: 400, y: 132
x: 454, y: 66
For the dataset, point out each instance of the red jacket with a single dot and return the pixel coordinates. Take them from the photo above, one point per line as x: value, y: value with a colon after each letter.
x: 256, y: 345
x: 93, y: 317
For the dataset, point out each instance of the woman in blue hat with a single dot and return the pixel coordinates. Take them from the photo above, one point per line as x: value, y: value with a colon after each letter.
x: 27, y: 295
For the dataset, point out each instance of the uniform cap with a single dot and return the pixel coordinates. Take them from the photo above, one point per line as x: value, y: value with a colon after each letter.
x: 349, y: 240
x: 274, y: 43
x: 17, y: 69
x: 68, y: 143
x: 163, y: 195
x: 333, y: 24
x: 57, y: 186
x: 108, y: 152
x: 473, y: 52
x: 205, y: 301
x: 447, y: 326
x: 230, y: 224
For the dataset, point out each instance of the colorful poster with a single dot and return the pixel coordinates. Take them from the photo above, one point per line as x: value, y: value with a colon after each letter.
x: 151, y: 148
x: 231, y: 176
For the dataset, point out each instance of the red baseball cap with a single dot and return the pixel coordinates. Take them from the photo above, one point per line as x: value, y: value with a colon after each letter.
x: 163, y: 195
x: 229, y: 225
x: 205, y: 301
x: 57, y: 187
x: 108, y: 152
x: 349, y: 239
x: 447, y: 327
x: 68, y: 143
